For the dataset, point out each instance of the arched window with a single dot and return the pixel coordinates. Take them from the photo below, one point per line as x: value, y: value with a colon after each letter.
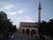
x: 23, y: 31
x: 33, y: 32
x: 28, y: 32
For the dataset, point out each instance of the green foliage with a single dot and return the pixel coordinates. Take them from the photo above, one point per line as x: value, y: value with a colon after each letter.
x: 6, y: 27
x: 46, y: 28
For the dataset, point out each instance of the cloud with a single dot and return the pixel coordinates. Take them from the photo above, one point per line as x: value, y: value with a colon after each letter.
x: 16, y: 12
x: 20, y: 11
x: 12, y: 9
x: 11, y: 13
x: 8, y: 7
x: 25, y: 19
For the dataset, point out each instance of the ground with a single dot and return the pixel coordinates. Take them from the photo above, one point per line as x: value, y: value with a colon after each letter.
x: 22, y: 37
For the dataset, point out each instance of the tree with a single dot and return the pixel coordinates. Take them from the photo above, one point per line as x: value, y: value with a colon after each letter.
x: 50, y: 24
x: 43, y: 28
x: 6, y: 27
x: 46, y: 28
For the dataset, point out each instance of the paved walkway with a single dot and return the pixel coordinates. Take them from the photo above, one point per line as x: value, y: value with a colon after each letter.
x: 22, y: 37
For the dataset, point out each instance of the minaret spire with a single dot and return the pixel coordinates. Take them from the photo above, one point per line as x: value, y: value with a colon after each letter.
x: 39, y: 13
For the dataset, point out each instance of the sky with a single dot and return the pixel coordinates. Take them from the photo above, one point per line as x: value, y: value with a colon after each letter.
x: 26, y: 10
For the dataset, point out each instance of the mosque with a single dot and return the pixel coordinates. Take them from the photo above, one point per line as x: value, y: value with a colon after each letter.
x: 29, y: 28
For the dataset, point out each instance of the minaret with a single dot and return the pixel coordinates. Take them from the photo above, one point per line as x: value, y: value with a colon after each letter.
x: 39, y: 13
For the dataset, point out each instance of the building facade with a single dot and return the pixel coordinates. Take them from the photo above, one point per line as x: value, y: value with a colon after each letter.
x: 28, y: 28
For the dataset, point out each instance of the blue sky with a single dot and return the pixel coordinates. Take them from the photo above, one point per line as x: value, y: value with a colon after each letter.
x: 26, y: 10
